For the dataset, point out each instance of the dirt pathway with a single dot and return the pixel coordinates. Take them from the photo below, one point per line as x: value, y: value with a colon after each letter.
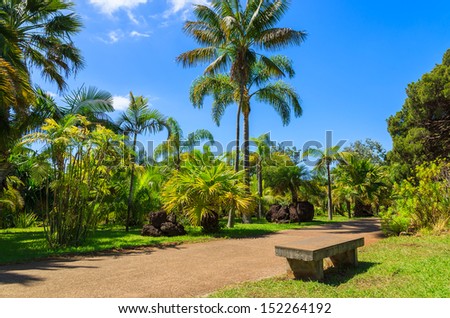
x: 187, y: 270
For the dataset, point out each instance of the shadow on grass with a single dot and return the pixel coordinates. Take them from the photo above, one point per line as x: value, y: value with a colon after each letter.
x: 335, y: 276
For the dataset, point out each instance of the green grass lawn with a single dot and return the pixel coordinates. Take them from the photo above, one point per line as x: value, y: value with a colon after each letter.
x: 411, y: 267
x: 19, y: 245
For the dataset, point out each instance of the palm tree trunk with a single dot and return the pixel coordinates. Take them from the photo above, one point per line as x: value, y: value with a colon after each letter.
x: 246, y: 218
x: 330, y: 203
x: 130, y: 194
x: 231, y: 216
x: 238, y: 133
x: 260, y: 190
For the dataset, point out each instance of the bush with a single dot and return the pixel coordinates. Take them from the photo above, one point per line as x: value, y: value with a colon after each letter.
x: 25, y: 220
x: 422, y: 202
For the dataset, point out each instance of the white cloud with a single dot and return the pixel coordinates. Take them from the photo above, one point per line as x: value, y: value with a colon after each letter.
x: 121, y: 102
x: 132, y: 17
x: 111, y: 6
x: 182, y: 6
x: 138, y: 34
x: 115, y: 36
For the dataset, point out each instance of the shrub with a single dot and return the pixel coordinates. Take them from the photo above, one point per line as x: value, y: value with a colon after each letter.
x: 422, y: 202
x: 24, y: 220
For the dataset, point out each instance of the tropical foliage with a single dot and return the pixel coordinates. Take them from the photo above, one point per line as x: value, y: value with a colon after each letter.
x: 66, y: 165
x: 421, y: 202
x: 34, y: 34
x: 83, y: 160
x: 200, y: 190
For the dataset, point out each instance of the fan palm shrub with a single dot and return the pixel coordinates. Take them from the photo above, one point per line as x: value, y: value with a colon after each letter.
x: 201, y: 190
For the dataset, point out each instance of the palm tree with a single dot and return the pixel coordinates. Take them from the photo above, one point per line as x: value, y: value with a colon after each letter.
x: 285, y: 179
x: 225, y: 92
x: 43, y: 33
x: 175, y: 145
x: 33, y: 34
x: 263, y: 144
x: 201, y: 189
x: 363, y: 181
x: 138, y: 119
x: 325, y: 158
x: 230, y: 35
x: 89, y: 102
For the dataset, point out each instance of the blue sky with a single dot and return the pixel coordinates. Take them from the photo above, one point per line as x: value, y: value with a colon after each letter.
x: 351, y: 72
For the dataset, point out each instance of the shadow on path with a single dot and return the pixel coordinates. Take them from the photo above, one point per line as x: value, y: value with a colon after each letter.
x: 11, y: 274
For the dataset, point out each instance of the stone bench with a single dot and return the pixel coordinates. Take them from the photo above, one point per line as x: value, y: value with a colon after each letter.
x: 305, y: 257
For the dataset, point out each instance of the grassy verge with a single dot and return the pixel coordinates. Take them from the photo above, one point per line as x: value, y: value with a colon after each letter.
x: 19, y: 245
x: 397, y: 267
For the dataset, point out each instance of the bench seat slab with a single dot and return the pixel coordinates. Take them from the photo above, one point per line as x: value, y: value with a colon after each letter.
x: 305, y: 257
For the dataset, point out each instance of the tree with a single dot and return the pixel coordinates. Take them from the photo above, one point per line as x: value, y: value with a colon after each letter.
x: 175, y: 145
x: 261, y: 87
x: 138, y: 119
x: 83, y: 160
x: 421, y: 130
x: 360, y: 182
x: 89, y: 102
x: 285, y: 177
x: 229, y: 36
x: 33, y: 34
x: 369, y: 149
x: 325, y: 158
x: 263, y: 144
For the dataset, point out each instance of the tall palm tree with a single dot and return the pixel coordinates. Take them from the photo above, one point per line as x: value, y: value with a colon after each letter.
x: 261, y: 87
x: 325, y: 158
x: 137, y: 119
x: 230, y: 36
x: 175, y: 145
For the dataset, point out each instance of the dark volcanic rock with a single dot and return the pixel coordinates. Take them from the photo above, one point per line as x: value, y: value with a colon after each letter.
x: 157, y: 218
x: 293, y: 214
x: 150, y: 230
x: 300, y: 212
x: 282, y: 215
x: 305, y: 211
x: 272, y: 211
x: 210, y: 223
x: 172, y: 229
x: 172, y: 218
x: 162, y: 224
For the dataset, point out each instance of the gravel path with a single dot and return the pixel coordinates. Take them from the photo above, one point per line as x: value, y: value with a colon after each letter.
x: 187, y: 270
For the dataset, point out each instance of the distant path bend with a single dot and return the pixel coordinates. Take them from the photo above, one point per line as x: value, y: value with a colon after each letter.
x: 187, y: 270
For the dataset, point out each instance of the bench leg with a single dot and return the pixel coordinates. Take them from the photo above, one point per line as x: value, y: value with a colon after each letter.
x: 349, y: 258
x: 298, y: 269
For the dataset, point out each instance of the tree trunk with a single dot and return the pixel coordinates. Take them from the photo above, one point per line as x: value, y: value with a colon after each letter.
x: 260, y: 189
x: 349, y: 209
x: 130, y: 195
x: 231, y: 215
x: 294, y: 194
x: 238, y: 137
x: 246, y: 218
x: 330, y: 202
